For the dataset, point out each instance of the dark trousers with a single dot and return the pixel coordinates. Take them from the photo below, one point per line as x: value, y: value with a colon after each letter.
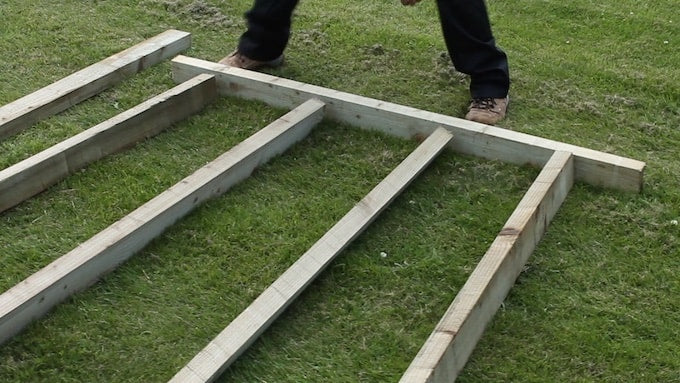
x: 465, y: 24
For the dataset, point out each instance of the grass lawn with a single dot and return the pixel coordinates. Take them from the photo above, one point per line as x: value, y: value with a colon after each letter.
x: 599, y: 299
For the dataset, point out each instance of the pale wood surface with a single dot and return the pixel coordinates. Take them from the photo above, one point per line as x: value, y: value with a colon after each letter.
x: 35, y: 174
x: 472, y: 138
x: 210, y: 362
x: 448, y: 348
x: 82, y: 266
x: 58, y: 96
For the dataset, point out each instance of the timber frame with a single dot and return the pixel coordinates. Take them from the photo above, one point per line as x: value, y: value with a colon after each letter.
x: 448, y: 348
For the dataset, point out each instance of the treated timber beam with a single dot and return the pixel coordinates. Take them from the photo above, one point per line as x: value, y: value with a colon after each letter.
x: 35, y: 174
x: 82, y: 266
x: 58, y: 96
x: 593, y: 167
x: 448, y: 348
x: 210, y: 362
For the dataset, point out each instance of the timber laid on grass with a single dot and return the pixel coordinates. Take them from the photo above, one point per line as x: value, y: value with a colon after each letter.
x: 210, y: 362
x: 35, y: 174
x: 58, y: 96
x: 81, y: 267
x: 448, y: 348
x: 591, y: 166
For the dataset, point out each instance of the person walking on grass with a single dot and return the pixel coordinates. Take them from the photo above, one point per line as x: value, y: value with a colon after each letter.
x: 467, y: 34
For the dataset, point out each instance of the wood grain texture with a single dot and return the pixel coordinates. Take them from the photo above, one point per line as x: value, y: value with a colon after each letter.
x: 81, y: 267
x: 58, y: 96
x: 596, y: 168
x: 35, y: 174
x: 448, y: 348
x: 210, y: 362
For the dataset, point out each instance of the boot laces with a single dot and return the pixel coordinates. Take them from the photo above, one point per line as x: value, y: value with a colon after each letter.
x: 483, y: 103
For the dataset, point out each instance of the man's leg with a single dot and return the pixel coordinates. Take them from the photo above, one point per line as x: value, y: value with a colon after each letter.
x: 268, y: 29
x: 468, y: 37
x: 267, y: 35
x: 470, y: 43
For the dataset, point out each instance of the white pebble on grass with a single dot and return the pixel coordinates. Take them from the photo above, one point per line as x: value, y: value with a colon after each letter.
x: 383, y: 254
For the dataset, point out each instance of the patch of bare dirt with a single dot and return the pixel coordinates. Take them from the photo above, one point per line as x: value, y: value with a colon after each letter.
x: 200, y: 12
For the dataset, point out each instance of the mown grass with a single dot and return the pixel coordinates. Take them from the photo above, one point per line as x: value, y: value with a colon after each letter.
x: 598, y: 300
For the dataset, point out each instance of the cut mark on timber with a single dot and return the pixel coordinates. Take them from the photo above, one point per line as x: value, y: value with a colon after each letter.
x: 218, y: 355
x: 509, y: 231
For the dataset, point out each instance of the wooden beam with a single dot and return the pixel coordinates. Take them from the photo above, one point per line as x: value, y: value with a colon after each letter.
x: 596, y: 168
x: 209, y: 363
x: 448, y: 348
x: 35, y: 174
x: 82, y: 266
x: 56, y: 97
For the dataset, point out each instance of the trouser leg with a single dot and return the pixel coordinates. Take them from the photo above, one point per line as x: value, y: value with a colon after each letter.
x: 268, y: 29
x: 471, y: 45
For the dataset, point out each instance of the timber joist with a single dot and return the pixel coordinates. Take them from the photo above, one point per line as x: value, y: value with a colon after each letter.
x: 453, y: 339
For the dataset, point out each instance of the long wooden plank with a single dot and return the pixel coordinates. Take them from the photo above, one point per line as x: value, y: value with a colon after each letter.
x: 58, y: 96
x: 472, y: 138
x: 448, y: 348
x: 82, y: 266
x: 35, y: 174
x: 209, y: 363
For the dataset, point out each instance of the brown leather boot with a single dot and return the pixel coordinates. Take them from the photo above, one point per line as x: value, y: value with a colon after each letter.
x: 238, y: 60
x: 487, y: 110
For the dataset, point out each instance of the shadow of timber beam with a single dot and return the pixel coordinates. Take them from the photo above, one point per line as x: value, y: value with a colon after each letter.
x: 593, y: 167
x: 449, y: 346
x: 102, y: 253
x: 218, y: 355
x: 35, y: 174
x: 58, y: 96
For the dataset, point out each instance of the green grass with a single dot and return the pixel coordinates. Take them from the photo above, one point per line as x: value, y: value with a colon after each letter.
x: 599, y: 299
